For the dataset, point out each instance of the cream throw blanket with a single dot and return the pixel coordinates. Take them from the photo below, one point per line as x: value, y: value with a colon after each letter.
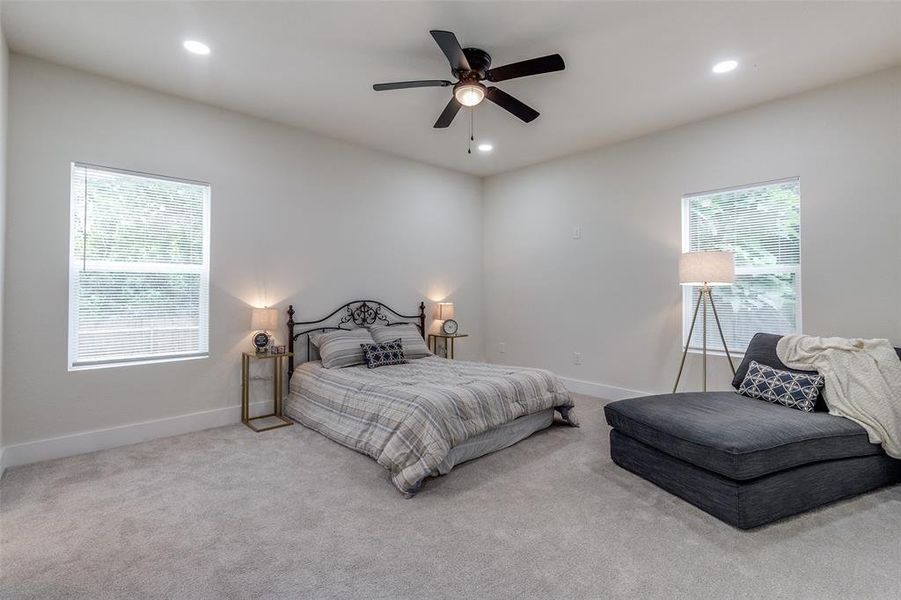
x: 863, y: 381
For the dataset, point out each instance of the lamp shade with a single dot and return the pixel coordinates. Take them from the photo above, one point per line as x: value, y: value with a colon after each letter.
x: 445, y: 311
x: 264, y: 319
x: 707, y: 268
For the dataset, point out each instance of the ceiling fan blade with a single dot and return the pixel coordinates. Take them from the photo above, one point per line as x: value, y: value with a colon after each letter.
x: 447, y: 115
x: 534, y: 66
x: 448, y: 43
x: 509, y: 103
x: 402, y: 85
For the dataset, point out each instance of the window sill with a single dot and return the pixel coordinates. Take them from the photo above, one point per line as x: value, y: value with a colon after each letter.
x: 712, y: 352
x: 131, y: 363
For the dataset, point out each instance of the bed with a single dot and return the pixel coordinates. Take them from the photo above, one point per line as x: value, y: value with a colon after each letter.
x: 422, y: 418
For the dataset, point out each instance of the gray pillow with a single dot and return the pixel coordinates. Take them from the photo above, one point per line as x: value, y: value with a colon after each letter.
x: 342, y: 348
x: 314, y: 337
x: 414, y: 345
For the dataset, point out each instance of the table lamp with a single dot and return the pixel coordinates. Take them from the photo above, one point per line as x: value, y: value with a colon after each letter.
x: 262, y: 321
x: 445, y: 313
x: 705, y: 269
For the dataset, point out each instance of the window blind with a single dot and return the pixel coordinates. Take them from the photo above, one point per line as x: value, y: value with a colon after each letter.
x: 761, y: 225
x: 139, y: 267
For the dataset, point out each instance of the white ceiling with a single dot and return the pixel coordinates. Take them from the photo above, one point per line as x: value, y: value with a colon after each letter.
x: 631, y: 68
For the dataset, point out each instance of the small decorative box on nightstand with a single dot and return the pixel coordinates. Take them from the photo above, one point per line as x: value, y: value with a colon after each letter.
x: 274, y: 419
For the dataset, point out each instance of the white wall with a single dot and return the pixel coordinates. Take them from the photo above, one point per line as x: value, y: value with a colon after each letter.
x: 295, y: 218
x: 305, y: 219
x: 4, y: 87
x: 614, y: 295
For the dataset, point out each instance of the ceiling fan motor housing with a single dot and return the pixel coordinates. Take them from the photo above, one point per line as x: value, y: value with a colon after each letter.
x: 479, y: 62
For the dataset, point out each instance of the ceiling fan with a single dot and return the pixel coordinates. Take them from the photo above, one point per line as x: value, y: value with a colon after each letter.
x: 471, y: 66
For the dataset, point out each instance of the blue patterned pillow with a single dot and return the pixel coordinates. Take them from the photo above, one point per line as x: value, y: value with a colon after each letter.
x: 794, y: 390
x: 383, y: 354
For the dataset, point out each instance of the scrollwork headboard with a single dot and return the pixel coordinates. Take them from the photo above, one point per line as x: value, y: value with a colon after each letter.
x: 352, y: 315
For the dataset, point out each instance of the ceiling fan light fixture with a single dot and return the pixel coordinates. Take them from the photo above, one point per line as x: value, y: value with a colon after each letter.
x: 469, y: 94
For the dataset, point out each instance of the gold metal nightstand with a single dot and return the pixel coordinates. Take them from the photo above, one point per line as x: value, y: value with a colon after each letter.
x: 448, y: 342
x: 275, y: 418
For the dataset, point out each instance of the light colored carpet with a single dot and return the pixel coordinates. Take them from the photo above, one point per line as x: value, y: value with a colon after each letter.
x: 228, y: 513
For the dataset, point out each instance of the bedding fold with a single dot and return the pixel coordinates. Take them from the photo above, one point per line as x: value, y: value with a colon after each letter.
x: 409, y: 416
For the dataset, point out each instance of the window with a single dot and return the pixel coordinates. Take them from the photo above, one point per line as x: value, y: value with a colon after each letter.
x: 761, y: 225
x: 138, y: 269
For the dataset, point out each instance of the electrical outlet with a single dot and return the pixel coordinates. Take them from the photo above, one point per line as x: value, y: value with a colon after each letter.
x: 502, y: 347
x: 577, y: 358
x: 577, y: 232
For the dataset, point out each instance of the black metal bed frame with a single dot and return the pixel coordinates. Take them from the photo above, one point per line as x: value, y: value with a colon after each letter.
x: 355, y: 314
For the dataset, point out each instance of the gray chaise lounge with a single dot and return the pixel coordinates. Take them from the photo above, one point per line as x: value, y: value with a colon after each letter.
x: 745, y: 461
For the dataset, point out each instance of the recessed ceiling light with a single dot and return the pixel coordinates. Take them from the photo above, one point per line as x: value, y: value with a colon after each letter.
x: 725, y: 66
x: 196, y: 47
x: 485, y: 147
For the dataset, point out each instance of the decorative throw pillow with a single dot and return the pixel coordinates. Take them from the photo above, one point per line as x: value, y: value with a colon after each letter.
x: 794, y: 390
x: 342, y: 348
x: 410, y: 337
x: 383, y: 354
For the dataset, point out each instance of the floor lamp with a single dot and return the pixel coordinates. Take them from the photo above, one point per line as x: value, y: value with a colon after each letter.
x: 705, y: 269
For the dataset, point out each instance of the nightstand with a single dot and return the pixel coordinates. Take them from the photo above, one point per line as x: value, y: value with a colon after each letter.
x: 274, y: 419
x: 448, y: 342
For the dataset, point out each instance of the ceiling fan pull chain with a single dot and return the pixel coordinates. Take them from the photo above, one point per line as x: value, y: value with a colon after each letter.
x: 471, y: 129
x: 471, y: 117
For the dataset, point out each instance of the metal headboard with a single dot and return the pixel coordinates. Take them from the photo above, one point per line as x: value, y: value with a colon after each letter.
x: 354, y: 314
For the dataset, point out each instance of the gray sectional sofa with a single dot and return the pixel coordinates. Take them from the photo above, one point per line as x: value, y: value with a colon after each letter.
x: 747, y: 462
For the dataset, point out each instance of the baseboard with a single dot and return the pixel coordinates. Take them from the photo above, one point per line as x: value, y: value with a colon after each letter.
x: 599, y: 390
x: 123, y: 435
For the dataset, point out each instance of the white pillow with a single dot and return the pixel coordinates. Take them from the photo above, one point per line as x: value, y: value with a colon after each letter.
x: 410, y: 338
x: 342, y: 348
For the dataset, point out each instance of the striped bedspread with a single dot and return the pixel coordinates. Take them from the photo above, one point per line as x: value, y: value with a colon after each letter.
x: 409, y: 416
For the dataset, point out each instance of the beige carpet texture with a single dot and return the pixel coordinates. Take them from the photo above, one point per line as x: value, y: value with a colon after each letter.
x: 229, y: 513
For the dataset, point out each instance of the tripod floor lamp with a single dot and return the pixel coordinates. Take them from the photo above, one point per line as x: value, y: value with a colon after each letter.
x: 705, y: 269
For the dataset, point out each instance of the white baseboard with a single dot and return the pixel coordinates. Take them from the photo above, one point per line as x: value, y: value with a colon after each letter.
x: 123, y: 435
x: 599, y: 390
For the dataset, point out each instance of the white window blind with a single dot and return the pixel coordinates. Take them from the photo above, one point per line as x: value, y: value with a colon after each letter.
x: 139, y: 267
x: 761, y: 225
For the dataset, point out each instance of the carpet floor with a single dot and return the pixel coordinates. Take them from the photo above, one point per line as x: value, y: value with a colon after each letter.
x: 229, y: 513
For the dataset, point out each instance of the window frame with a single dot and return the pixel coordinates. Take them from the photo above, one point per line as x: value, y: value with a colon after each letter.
x: 690, y: 292
x: 111, y: 266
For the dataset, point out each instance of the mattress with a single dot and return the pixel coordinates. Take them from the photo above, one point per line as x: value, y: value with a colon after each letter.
x: 410, y: 417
